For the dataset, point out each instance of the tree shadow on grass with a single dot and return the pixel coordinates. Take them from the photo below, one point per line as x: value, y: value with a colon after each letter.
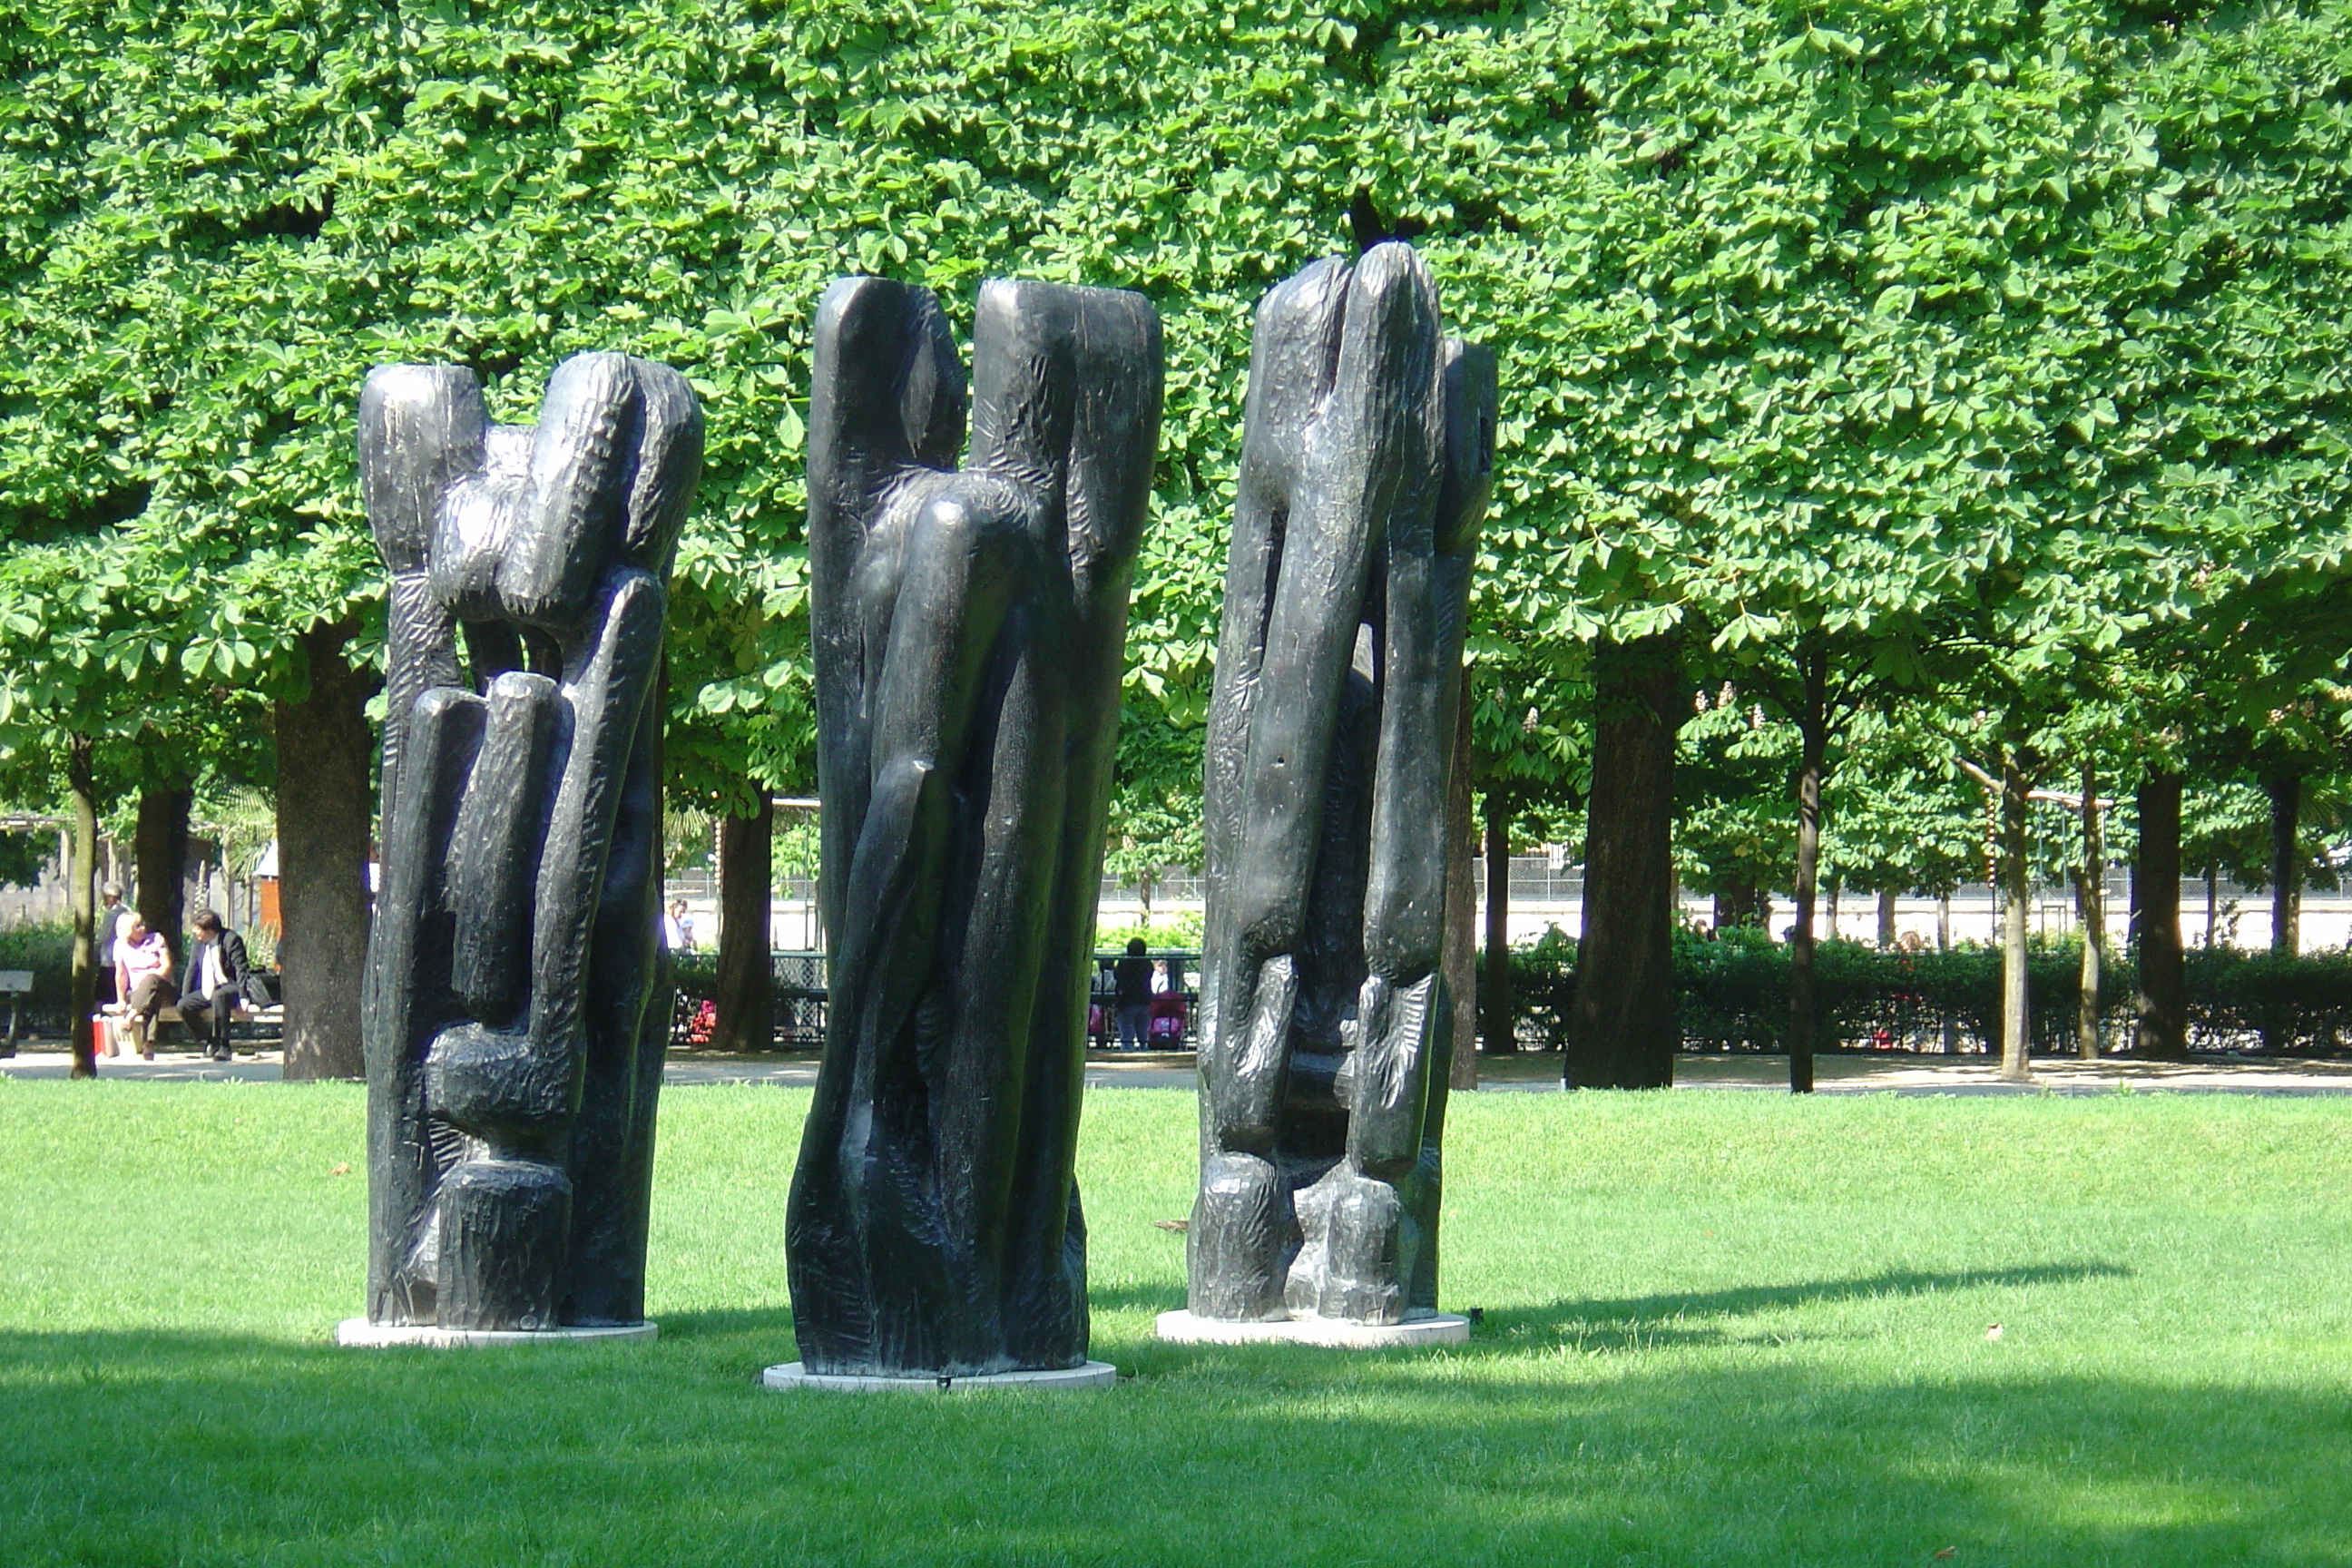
x: 1674, y: 1317
x: 1667, y: 1317
x: 252, y: 1448
x: 1687, y: 1318
x: 1695, y: 1317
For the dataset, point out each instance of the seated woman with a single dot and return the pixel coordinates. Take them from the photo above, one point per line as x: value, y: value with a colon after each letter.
x: 143, y: 978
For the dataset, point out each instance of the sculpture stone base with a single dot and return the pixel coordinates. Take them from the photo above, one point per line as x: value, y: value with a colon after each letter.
x: 792, y: 1374
x: 359, y: 1332
x: 1333, y: 1333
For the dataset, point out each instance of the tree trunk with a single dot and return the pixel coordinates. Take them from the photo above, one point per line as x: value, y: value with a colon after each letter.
x: 1499, y: 1033
x: 746, y: 986
x: 1885, y: 918
x: 2016, y: 876
x: 2162, y: 1030
x: 161, y: 855
x: 1943, y: 919
x: 326, y: 755
x: 1812, y: 729
x: 2090, y: 899
x: 1622, y: 1032
x: 1461, y: 902
x: 81, y: 901
x: 1738, y: 904
x: 2286, y: 864
x: 2212, y: 901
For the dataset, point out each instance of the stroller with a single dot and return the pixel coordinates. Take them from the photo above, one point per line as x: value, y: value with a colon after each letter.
x: 1169, y: 1017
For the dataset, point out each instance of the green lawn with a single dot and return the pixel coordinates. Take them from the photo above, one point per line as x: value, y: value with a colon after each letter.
x: 1719, y: 1328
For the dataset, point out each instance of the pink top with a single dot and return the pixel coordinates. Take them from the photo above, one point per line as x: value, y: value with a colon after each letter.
x: 149, y: 956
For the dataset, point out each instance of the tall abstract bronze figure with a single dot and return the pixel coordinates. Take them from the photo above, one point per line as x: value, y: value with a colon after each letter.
x: 516, y: 1009
x: 969, y: 627
x: 1367, y: 453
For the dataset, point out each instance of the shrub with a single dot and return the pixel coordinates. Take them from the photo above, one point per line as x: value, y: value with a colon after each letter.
x: 1179, y: 933
x: 48, y: 950
x: 695, y: 975
x: 1543, y: 989
x: 2239, y: 1000
x: 1732, y: 992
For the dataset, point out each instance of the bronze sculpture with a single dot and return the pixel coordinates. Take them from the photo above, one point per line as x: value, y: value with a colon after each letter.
x: 968, y: 625
x: 515, y: 1011
x: 1367, y: 455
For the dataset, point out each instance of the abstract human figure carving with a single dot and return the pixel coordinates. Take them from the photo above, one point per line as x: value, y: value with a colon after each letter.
x: 969, y: 628
x: 512, y: 1015
x: 1367, y: 452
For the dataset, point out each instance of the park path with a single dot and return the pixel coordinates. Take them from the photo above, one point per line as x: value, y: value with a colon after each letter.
x: 1887, y: 1073
x: 1154, y: 1069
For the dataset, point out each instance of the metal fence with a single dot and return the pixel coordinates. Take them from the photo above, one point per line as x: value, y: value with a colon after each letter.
x: 801, y: 984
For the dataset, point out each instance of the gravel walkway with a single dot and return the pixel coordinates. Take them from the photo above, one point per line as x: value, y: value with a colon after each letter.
x: 1890, y: 1073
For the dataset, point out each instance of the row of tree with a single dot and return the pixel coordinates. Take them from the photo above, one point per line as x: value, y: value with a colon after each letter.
x: 1964, y: 372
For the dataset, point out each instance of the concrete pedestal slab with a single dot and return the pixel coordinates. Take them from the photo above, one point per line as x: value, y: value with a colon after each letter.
x: 792, y: 1374
x: 1334, y: 1333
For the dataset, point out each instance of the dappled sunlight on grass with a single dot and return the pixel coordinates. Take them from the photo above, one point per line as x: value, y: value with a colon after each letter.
x: 1775, y: 1356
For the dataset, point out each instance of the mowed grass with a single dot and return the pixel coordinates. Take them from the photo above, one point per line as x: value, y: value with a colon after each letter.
x: 1719, y: 1328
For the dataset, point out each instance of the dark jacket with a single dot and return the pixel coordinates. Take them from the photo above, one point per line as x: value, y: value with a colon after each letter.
x: 233, y: 963
x: 1134, y: 973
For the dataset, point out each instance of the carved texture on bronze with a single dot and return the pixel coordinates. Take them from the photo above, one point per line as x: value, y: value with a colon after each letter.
x: 1367, y: 455
x: 516, y: 1005
x: 969, y: 627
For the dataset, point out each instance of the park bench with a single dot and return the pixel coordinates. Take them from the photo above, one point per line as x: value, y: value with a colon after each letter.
x: 113, y: 1019
x: 15, y: 984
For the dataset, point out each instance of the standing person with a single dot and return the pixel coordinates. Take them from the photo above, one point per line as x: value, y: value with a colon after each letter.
x: 677, y: 930
x: 218, y: 974
x: 1102, y: 1003
x: 107, y: 932
x: 1134, y: 976
x: 143, y: 978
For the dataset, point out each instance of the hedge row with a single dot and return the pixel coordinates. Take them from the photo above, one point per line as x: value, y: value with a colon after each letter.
x: 48, y: 952
x: 1733, y: 993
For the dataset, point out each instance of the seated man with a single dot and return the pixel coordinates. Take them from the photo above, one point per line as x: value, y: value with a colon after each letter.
x: 143, y: 978
x: 218, y: 974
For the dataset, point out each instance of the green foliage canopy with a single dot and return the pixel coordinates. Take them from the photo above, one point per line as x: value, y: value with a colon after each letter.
x: 1935, y: 325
